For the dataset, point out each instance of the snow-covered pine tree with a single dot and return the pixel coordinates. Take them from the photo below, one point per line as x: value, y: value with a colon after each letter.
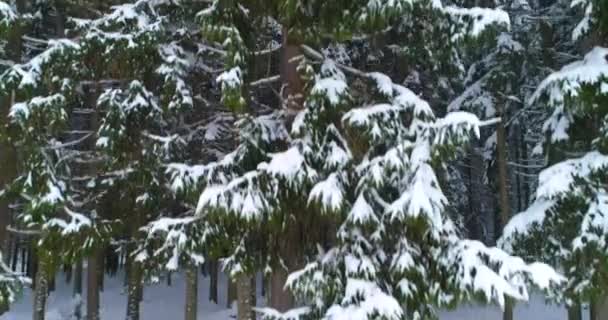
x: 359, y: 165
x: 570, y: 203
x: 496, y: 84
x: 129, y: 48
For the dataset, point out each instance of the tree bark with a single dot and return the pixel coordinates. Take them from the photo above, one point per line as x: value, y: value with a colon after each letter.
x: 475, y: 177
x: 231, y: 293
x: 213, y: 273
x: 41, y: 290
x: 191, y: 292
x: 101, y: 266
x: 244, y: 297
x: 77, y: 277
x: 290, y: 78
x: 134, y: 291
x: 598, y: 309
x: 280, y: 298
x: 503, y: 190
x: 93, y: 287
x: 254, y: 298
x: 574, y: 312
x: 60, y: 18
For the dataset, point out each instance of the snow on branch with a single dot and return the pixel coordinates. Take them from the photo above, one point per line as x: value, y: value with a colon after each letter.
x: 7, y: 15
x: 561, y: 178
x: 29, y: 75
x: 496, y: 274
x: 571, y: 78
x: 273, y: 314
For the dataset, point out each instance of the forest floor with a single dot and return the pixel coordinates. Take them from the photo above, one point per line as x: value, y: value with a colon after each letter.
x: 163, y: 302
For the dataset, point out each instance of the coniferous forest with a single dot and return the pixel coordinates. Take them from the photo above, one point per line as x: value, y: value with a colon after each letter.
x: 304, y: 159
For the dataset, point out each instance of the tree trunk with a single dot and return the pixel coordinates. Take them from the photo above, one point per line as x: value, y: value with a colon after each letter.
x: 254, y: 299
x: 231, y: 293
x: 191, y: 292
x: 574, y: 312
x: 213, y: 273
x: 280, y: 298
x: 41, y: 290
x: 134, y: 290
x: 93, y: 287
x: 475, y: 177
x: 508, y: 312
x: 290, y: 78
x: 101, y: 266
x: 77, y: 277
x: 598, y: 309
x: 503, y: 190
x: 60, y: 18
x: 244, y: 297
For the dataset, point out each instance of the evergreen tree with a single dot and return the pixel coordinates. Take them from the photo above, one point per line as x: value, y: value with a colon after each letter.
x: 353, y: 154
x: 570, y: 200
x: 68, y: 209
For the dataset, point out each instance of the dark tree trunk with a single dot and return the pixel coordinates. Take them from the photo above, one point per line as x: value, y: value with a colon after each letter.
x: 574, y: 312
x: 191, y: 292
x: 231, y: 293
x: 93, y: 287
x: 475, y: 177
x: 503, y: 190
x: 213, y: 275
x: 101, y: 267
x: 77, y: 275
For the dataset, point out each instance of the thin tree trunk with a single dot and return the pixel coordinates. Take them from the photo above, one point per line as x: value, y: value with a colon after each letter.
x: 93, y: 287
x: 60, y: 18
x: 16, y: 249
x: 77, y: 277
x: 253, y: 297
x: 231, y: 293
x: 51, y: 283
x: 101, y: 266
x: 503, y: 191
x: 244, y: 297
x: 508, y: 312
x: 475, y: 177
x: 518, y: 179
x: 574, y: 312
x: 134, y: 291
x: 41, y: 290
x: 213, y: 275
x: 525, y: 158
x: 191, y: 292
x: 294, y: 86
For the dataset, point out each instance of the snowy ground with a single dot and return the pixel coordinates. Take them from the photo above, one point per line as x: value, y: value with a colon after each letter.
x: 162, y: 302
